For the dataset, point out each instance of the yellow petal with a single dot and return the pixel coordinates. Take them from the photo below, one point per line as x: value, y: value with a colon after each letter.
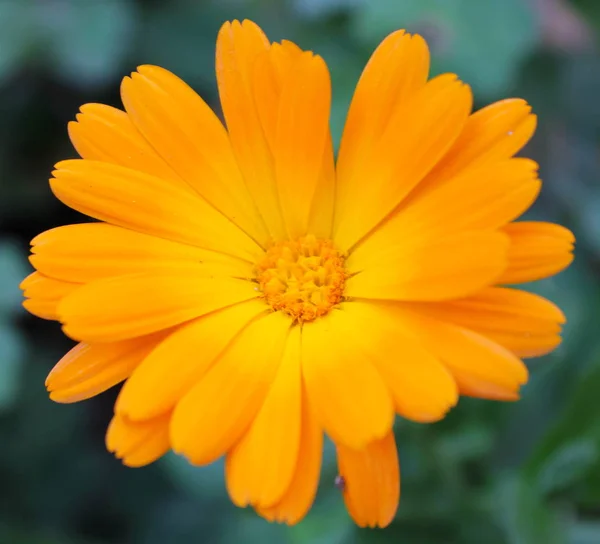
x: 537, y: 250
x: 44, y: 293
x: 522, y: 322
x: 349, y: 396
x: 320, y: 221
x: 480, y: 366
x: 301, y: 492
x: 213, y: 416
x: 261, y: 466
x: 281, y: 65
x: 239, y: 45
x: 397, y: 70
x: 491, y: 134
x: 419, y: 132
x: 88, y: 370
x: 91, y: 251
x: 192, y: 140
x: 103, y: 133
x: 270, y: 69
x: 302, y: 137
x: 138, y: 443
x: 180, y: 361
x: 463, y: 203
x: 139, y: 304
x: 371, y: 479
x: 436, y: 269
x: 422, y: 388
x: 146, y: 204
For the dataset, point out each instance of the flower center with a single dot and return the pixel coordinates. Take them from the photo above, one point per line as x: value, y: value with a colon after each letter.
x: 303, y: 278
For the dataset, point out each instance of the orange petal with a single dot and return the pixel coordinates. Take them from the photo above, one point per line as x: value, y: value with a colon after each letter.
x: 271, y: 70
x: 88, y: 370
x: 537, y: 250
x: 179, y: 362
x: 396, y: 71
x: 138, y: 443
x: 416, y: 268
x: 192, y: 140
x: 261, y: 466
x: 302, y: 138
x: 239, y: 45
x: 301, y: 492
x: 419, y: 133
x: 146, y: 204
x: 422, y: 388
x: 213, y: 416
x: 480, y: 366
x: 463, y: 203
x: 103, y: 133
x: 91, y: 251
x: 44, y: 293
x: 371, y: 479
x: 349, y: 396
x: 491, y: 134
x: 527, y: 324
x: 320, y: 221
x: 139, y: 304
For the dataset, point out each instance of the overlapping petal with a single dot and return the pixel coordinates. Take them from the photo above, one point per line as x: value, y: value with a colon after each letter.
x: 371, y: 481
x: 349, y: 396
x: 90, y: 369
x: 183, y: 129
x: 181, y: 361
x: 92, y: 251
x: 262, y: 464
x: 222, y: 405
x: 239, y: 45
x: 421, y: 386
x: 302, y: 138
x: 526, y: 324
x: 103, y: 133
x: 300, y: 494
x: 430, y: 268
x: 138, y: 443
x: 537, y: 250
x: 144, y: 203
x: 419, y: 132
x: 43, y: 294
x: 138, y: 304
x: 480, y: 366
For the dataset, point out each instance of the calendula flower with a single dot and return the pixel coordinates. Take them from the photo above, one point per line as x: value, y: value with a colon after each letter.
x: 254, y: 294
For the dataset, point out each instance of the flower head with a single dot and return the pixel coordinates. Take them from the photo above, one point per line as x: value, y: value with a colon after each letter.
x: 254, y: 294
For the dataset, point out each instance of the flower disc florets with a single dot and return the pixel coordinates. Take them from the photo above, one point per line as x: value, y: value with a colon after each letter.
x: 303, y: 278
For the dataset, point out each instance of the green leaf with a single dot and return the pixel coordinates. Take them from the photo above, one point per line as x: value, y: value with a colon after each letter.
x: 590, y: 10
x: 483, y: 41
x: 524, y: 515
x: 573, y: 443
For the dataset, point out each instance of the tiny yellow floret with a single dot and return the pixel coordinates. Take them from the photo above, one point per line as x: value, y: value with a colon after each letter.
x: 303, y: 278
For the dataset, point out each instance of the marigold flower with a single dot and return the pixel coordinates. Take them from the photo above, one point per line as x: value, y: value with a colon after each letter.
x: 254, y: 295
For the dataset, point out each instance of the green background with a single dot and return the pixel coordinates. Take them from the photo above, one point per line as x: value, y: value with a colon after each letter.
x: 490, y: 473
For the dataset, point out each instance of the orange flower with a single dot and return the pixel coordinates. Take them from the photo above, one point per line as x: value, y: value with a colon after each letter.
x: 254, y: 295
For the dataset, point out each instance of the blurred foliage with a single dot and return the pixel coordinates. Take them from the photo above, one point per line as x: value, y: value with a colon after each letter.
x: 523, y: 473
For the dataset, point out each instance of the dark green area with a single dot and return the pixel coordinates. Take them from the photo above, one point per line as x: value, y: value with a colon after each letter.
x: 490, y: 473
